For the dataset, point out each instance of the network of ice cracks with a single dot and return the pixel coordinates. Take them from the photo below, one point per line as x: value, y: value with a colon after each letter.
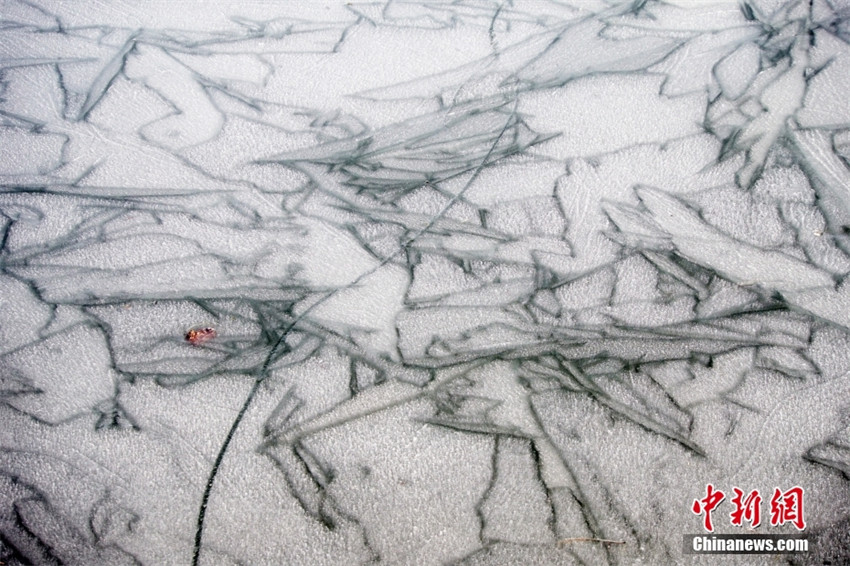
x: 491, y: 282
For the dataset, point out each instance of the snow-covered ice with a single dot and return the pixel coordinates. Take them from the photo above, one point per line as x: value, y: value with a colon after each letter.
x: 492, y: 282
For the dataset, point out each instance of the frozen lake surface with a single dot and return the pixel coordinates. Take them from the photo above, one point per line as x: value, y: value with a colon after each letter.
x: 459, y: 282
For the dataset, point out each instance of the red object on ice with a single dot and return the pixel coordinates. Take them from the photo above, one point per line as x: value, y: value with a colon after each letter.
x: 198, y: 336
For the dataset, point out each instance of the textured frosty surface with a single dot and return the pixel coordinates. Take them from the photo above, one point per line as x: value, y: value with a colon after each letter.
x: 489, y: 282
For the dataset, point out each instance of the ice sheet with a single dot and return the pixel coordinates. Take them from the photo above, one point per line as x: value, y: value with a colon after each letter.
x: 449, y: 282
